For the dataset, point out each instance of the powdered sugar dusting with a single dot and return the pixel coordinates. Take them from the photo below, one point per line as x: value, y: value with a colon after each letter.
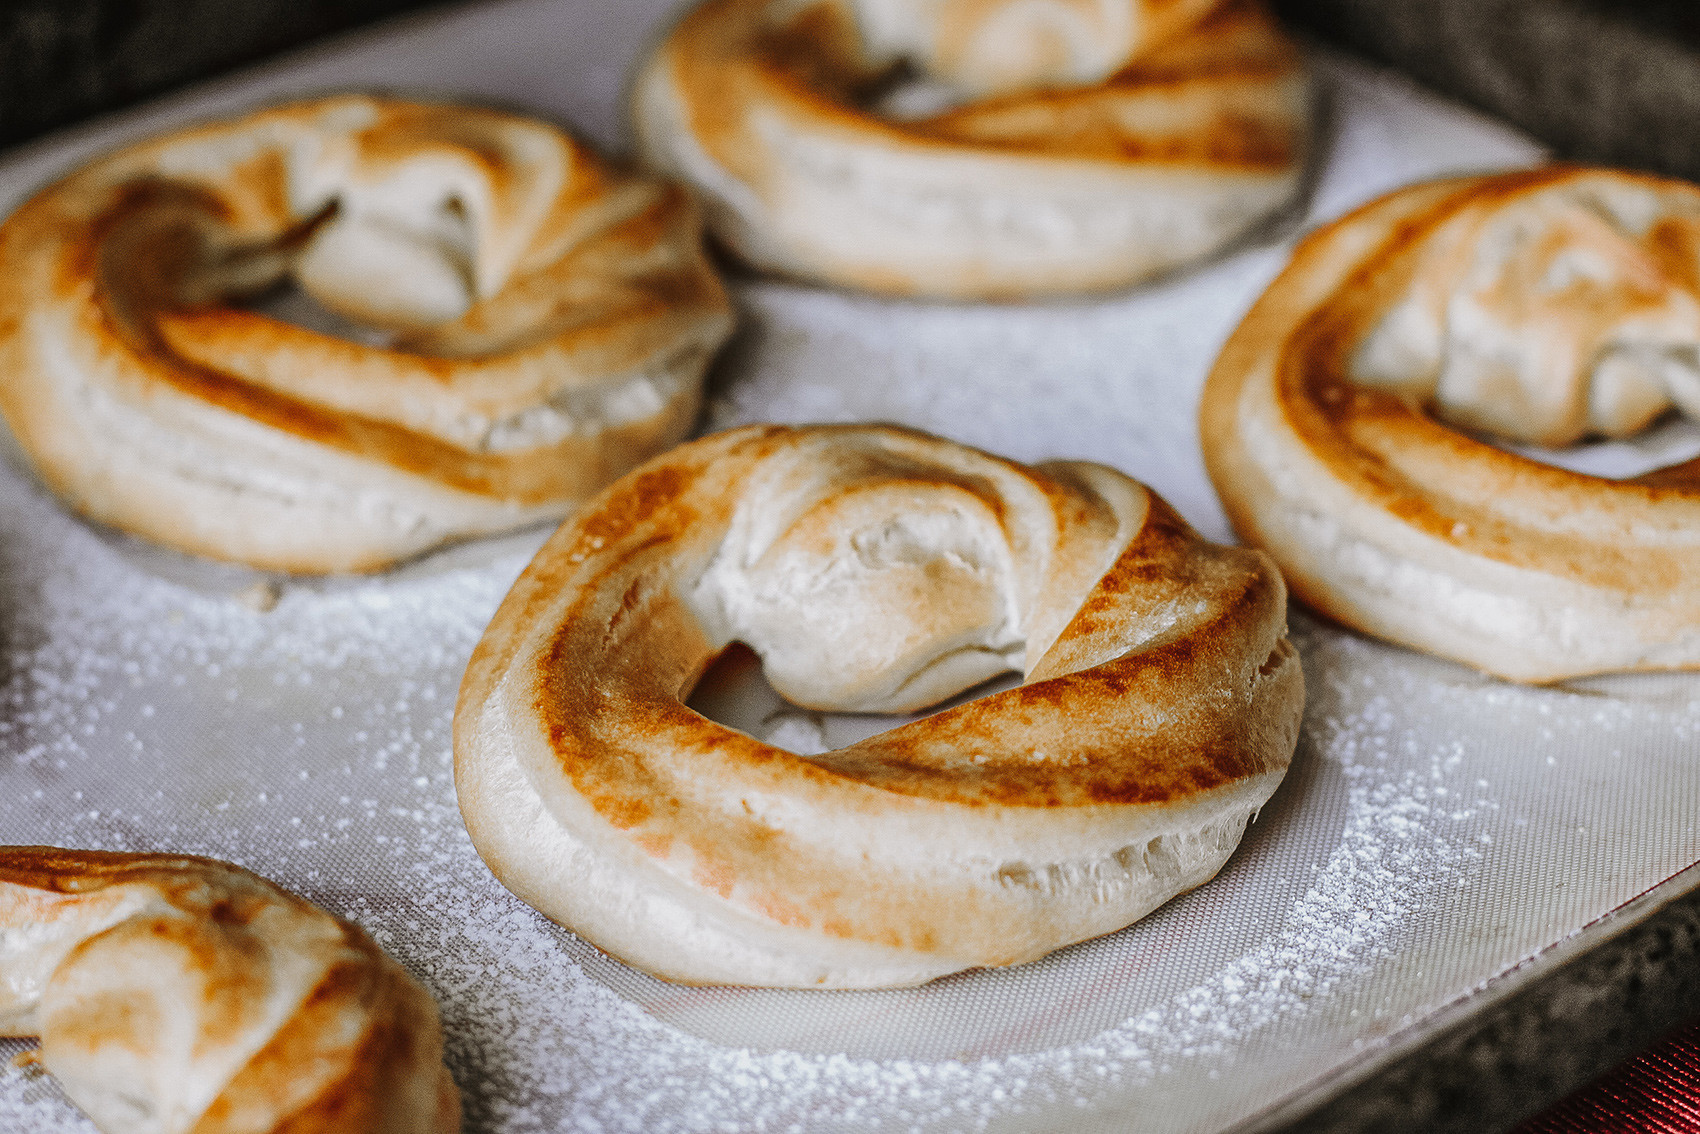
x: 312, y: 743
x: 149, y: 706
x: 1436, y: 828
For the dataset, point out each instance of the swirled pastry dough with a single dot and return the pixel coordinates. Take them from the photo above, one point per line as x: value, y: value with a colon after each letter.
x: 176, y: 995
x: 548, y: 321
x: 1543, y: 307
x: 1050, y: 145
x: 874, y: 570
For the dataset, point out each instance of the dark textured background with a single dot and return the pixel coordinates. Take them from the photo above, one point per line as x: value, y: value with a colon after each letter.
x: 62, y: 60
x: 1598, y: 80
x: 1492, y: 1069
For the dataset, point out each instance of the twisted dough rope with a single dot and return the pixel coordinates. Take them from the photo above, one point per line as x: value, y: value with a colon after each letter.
x: 874, y: 570
x: 1544, y: 306
x: 551, y: 321
x: 1095, y: 142
x: 176, y: 994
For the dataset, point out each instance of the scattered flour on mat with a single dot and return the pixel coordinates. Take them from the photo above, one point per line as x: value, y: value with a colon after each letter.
x: 360, y: 816
x: 312, y: 742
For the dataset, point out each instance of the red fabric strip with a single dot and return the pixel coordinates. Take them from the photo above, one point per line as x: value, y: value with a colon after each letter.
x: 1656, y: 1092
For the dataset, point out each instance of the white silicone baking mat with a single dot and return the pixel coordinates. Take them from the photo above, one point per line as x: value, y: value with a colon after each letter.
x: 1437, y: 829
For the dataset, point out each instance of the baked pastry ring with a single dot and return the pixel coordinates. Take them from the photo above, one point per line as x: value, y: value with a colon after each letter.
x: 1543, y: 306
x: 176, y: 994
x: 1085, y: 145
x: 874, y: 569
x: 550, y: 319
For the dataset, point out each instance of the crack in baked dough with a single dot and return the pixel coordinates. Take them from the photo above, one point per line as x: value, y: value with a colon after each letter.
x: 1171, y: 860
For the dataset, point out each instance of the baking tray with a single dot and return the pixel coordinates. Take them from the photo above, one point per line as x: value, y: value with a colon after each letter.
x: 1439, y: 830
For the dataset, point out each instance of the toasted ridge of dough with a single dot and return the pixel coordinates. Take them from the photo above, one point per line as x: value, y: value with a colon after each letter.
x: 176, y: 994
x: 1054, y: 147
x: 1543, y: 307
x: 548, y: 321
x: 874, y: 569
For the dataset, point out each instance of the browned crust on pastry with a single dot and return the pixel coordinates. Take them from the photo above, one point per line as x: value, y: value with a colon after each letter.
x: 608, y: 282
x: 359, y: 1051
x: 1381, y: 462
x: 1124, y: 722
x: 810, y: 68
x: 766, y: 95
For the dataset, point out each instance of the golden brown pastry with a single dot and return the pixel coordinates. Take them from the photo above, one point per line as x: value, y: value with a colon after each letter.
x: 540, y: 323
x: 873, y: 569
x: 175, y: 994
x: 1543, y: 307
x: 1043, y: 146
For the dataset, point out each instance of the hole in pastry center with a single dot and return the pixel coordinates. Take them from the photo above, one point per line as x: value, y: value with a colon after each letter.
x: 1618, y: 410
x: 733, y: 691
x: 366, y: 274
x: 1671, y: 440
x: 287, y: 302
x: 905, y: 93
